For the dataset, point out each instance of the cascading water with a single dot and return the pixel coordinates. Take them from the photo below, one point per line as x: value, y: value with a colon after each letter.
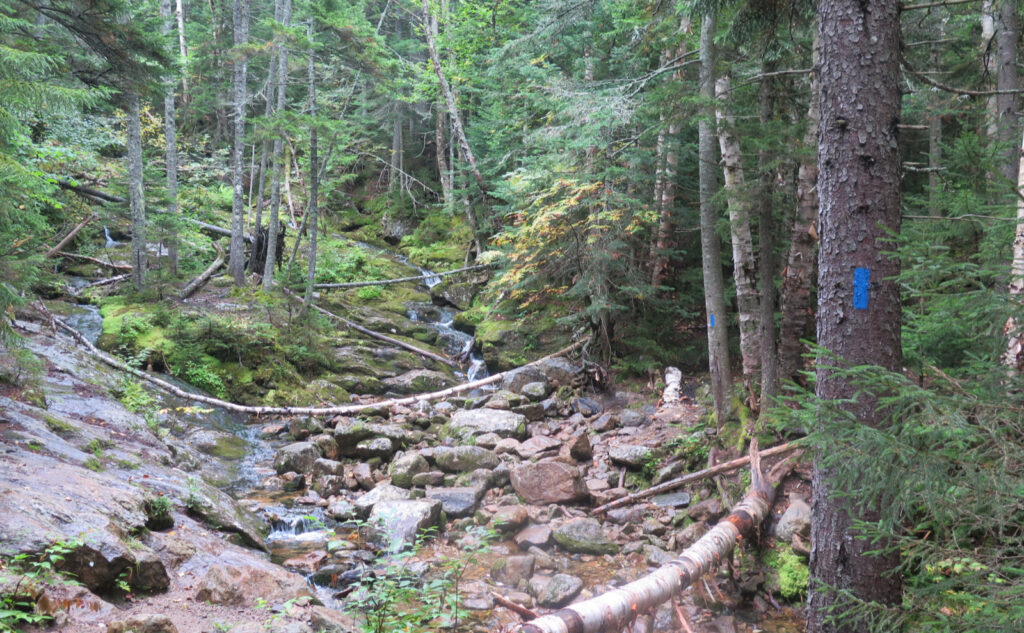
x: 111, y: 242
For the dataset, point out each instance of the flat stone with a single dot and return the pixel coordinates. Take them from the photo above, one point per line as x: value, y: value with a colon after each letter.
x: 468, y: 424
x: 429, y: 478
x: 517, y: 379
x: 307, y: 563
x: 381, y: 447
x: 533, y: 536
x: 460, y: 459
x: 144, y: 623
x: 506, y: 445
x: 457, y: 502
x: 628, y: 417
x: 385, y: 492
x: 488, y: 440
x: 583, y: 536
x: 536, y: 444
x: 559, y: 591
x: 672, y: 500
x: 548, y: 482
x: 630, y: 455
x: 398, y: 523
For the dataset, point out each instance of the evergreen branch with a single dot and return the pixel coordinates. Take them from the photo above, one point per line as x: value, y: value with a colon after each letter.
x: 944, y: 87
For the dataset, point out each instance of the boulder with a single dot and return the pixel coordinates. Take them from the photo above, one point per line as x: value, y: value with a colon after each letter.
x: 548, y: 482
x: 302, y: 428
x: 457, y: 502
x: 469, y: 424
x: 419, y: 381
x: 397, y: 523
x: 508, y: 519
x: 403, y: 469
x: 795, y: 520
x: 536, y: 445
x: 380, y: 447
x: 243, y: 585
x: 583, y: 536
x: 460, y: 459
x: 144, y: 623
x: 535, y: 391
x: 559, y: 371
x: 586, y: 407
x: 327, y: 467
x: 559, y: 591
x: 533, y: 536
x: 630, y: 455
x: 509, y: 570
x: 580, y: 448
x: 385, y: 492
x: 348, y: 433
x: 429, y: 478
x: 709, y: 510
x: 516, y: 379
x: 630, y: 418
x: 297, y: 457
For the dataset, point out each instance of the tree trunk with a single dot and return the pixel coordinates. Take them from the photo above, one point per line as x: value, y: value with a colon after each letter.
x: 171, y: 147
x: 449, y: 98
x: 136, y: 197
x: 711, y: 254
x: 396, y: 168
x: 268, y: 109
x: 766, y: 246
x: 742, y: 242
x: 279, y: 164
x: 988, y: 63
x: 795, y: 303
x: 179, y: 12
x: 859, y: 311
x: 1008, y: 104
x: 314, y: 175
x: 236, y: 257
x: 1013, y: 358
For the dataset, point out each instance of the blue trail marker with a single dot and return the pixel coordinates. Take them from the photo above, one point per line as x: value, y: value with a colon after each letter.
x: 711, y: 320
x: 861, y: 285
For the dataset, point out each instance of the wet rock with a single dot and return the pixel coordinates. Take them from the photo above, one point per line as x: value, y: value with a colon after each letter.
x: 341, y: 510
x: 583, y: 536
x: 144, y: 623
x: 517, y: 379
x: 469, y: 424
x: 297, y: 457
x: 307, y: 563
x: 338, y: 575
x: 460, y: 459
x: 457, y: 502
x: 630, y: 418
x: 672, y: 500
x: 504, y: 400
x: 218, y: 444
x: 535, y: 445
x: 691, y: 534
x: 559, y: 591
x: 429, y: 478
x: 327, y: 467
x: 149, y: 571
x: 602, y: 497
x: 709, y: 510
x: 329, y: 485
x: 385, y: 492
x: 508, y: 519
x: 243, y: 585
x: 348, y: 433
x: 327, y: 620
x: 363, y: 475
x: 419, y: 381
x: 625, y: 516
x: 403, y: 469
x: 655, y: 556
x: 559, y: 371
x: 302, y: 428
x: 501, y: 475
x: 270, y: 431
x: 533, y: 536
x: 478, y: 603
x: 605, y: 422
x: 327, y: 444
x: 218, y: 509
x: 580, y: 448
x: 535, y: 391
x: 548, y: 482
x: 586, y: 407
x: 509, y: 570
x: 544, y: 560
x: 630, y: 455
x: 380, y: 447
x: 397, y: 523
x: 533, y: 411
x: 795, y: 520
x: 482, y: 478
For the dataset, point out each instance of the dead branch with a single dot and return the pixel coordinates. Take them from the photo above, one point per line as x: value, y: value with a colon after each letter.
x: 516, y: 608
x: 101, y: 282
x: 382, y: 282
x: 70, y: 236
x: 697, y: 476
x: 201, y: 280
x: 94, y: 260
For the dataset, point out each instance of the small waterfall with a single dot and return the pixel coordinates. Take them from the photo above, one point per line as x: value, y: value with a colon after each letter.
x: 111, y: 242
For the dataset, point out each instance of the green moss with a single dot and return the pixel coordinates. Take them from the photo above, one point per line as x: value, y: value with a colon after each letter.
x: 790, y: 573
x: 58, y: 426
x: 231, y: 448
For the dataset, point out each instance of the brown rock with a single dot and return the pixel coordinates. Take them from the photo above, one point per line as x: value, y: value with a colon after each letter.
x: 242, y: 585
x: 510, y: 570
x: 536, y: 444
x: 308, y: 562
x: 144, y: 623
x: 709, y: 510
x: 533, y: 536
x: 580, y: 448
x: 509, y: 518
x: 548, y: 482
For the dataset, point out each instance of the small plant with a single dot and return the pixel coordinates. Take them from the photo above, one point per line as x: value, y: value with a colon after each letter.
x: 792, y: 572
x: 95, y: 464
x: 204, y: 377
x: 134, y: 397
x: 58, y: 426
x: 369, y: 293
x: 194, y: 501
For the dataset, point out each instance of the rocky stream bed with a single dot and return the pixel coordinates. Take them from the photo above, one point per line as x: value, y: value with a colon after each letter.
x: 190, y: 519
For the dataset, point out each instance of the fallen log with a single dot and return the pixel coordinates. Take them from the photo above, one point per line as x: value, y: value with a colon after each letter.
x: 614, y: 610
x: 70, y: 236
x: 220, y: 231
x: 724, y: 467
x: 377, y: 335
x: 88, y: 192
x: 383, y: 282
x: 241, y: 408
x: 201, y: 280
x: 102, y: 282
x: 94, y: 260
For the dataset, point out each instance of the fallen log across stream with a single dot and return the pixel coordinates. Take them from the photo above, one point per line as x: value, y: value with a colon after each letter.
x: 241, y: 408
x: 384, y: 282
x: 614, y: 610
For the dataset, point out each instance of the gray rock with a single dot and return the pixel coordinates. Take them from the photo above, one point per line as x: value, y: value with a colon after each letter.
x: 460, y: 459
x: 385, y: 492
x: 329, y: 485
x: 403, y: 469
x: 419, y: 381
x: 380, y: 447
x: 795, y: 520
x: 506, y: 445
x: 606, y: 422
x: 533, y: 536
x: 709, y: 510
x: 535, y: 445
x: 559, y: 371
x: 488, y: 440
x: 655, y: 556
x: 509, y: 570
x: 580, y: 448
x: 628, y: 417
x: 327, y: 620
x: 586, y: 406
x: 533, y: 411
x: 583, y: 536
x: 328, y: 467
x: 630, y: 455
x: 548, y: 482
x: 297, y: 457
x: 457, y: 502
x: 468, y: 424
x: 535, y: 391
x: 342, y: 510
x: 516, y: 379
x: 672, y: 500
x: 348, y: 433
x: 508, y: 519
x: 242, y: 585
x: 144, y: 623
x: 559, y: 591
x: 691, y: 534
x: 429, y: 478
x: 396, y: 523
x: 301, y: 428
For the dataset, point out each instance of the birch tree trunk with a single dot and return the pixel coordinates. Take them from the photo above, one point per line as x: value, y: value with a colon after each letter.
x: 171, y: 145
x: 179, y: 12
x: 711, y: 254
x: 795, y: 303
x: 859, y: 309
x: 988, y: 63
x: 1013, y: 357
x: 615, y: 609
x: 236, y: 257
x: 747, y: 303
x: 314, y: 174
x: 766, y: 246
x: 1008, y: 104
x: 136, y: 199
x: 279, y: 164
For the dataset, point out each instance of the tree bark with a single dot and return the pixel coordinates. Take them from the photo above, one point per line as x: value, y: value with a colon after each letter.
x: 743, y: 268
x: 279, y: 164
x: 170, y: 139
x: 179, y: 12
x: 615, y: 609
x: 236, y: 257
x: 766, y: 246
x: 314, y: 173
x: 135, y: 190
x: 1013, y: 357
x: 795, y: 303
x: 859, y: 310
x: 711, y: 254
x: 449, y: 98
x: 988, y: 64
x: 1008, y: 103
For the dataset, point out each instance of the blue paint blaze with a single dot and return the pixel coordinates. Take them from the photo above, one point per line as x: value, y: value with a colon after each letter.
x: 711, y: 320
x: 861, y: 285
